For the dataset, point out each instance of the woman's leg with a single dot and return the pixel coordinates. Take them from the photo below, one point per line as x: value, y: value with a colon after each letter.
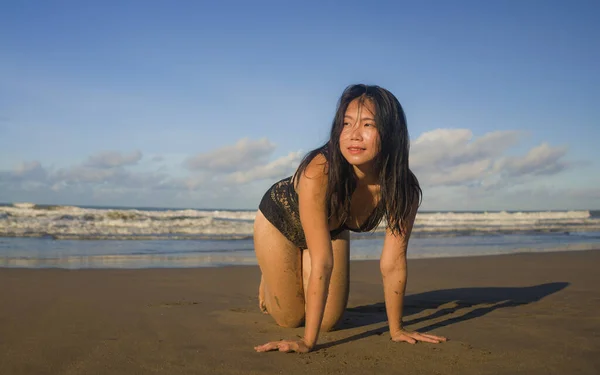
x: 339, y: 286
x: 285, y: 271
x: 281, y: 290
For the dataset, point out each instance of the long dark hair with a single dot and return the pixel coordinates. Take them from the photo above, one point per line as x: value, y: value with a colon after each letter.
x: 399, y: 187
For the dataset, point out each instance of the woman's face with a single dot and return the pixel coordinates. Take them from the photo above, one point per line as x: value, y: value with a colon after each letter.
x: 359, y: 140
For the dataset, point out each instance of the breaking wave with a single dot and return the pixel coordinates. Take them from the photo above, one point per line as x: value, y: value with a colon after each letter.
x: 71, y: 222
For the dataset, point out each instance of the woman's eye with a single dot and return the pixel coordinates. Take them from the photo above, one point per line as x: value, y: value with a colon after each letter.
x: 367, y: 124
x: 346, y: 124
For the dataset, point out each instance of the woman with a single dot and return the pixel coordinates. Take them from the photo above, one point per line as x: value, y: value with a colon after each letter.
x: 301, y: 238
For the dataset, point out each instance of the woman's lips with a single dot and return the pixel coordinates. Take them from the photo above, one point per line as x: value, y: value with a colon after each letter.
x: 355, y: 150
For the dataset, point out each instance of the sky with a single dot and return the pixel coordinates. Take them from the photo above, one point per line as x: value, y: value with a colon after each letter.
x: 205, y: 104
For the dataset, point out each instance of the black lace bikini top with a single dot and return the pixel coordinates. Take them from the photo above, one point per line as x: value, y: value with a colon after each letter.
x: 280, y: 206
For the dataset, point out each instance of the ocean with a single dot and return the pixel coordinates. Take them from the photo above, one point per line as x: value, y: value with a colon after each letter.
x: 73, y: 237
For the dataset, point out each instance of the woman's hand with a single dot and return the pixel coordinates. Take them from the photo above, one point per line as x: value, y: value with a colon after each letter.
x: 287, y: 346
x: 413, y: 337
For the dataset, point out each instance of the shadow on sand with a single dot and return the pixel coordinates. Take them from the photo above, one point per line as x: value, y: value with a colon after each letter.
x: 475, y: 302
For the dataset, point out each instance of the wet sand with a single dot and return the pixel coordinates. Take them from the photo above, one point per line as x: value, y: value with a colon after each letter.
x: 509, y: 314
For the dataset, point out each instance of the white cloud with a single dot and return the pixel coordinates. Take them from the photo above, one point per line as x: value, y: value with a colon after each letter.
x: 112, y: 159
x: 32, y: 170
x: 461, y: 174
x: 115, y: 177
x: 542, y: 159
x: 246, y: 153
x: 279, y: 168
x: 223, y: 174
x: 453, y: 166
x: 446, y: 157
x: 449, y: 147
x: 83, y: 174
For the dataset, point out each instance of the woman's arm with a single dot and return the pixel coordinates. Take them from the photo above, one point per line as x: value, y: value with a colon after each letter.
x: 394, y: 274
x: 312, y: 190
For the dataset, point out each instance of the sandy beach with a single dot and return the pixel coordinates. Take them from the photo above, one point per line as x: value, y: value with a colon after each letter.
x: 508, y: 314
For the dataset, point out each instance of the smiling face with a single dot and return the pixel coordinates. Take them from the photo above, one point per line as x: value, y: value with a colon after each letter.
x: 359, y: 140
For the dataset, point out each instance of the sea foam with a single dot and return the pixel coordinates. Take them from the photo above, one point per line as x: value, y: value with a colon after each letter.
x: 70, y: 222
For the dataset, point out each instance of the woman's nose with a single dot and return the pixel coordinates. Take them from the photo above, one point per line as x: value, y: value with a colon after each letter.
x: 356, y: 134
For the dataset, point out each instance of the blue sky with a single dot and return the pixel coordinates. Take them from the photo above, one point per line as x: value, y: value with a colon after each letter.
x: 206, y: 104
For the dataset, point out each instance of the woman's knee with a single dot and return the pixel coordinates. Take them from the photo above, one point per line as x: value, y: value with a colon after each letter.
x: 289, y: 320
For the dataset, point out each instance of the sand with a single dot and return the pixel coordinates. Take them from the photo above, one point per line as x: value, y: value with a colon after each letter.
x: 509, y: 314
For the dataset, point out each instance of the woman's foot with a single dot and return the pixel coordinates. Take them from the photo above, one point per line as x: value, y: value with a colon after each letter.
x: 261, y: 297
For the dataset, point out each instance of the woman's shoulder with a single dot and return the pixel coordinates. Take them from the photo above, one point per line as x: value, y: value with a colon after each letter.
x: 314, y: 175
x: 318, y: 166
x: 315, y: 169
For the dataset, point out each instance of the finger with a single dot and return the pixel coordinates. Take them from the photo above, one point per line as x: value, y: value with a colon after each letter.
x: 430, y: 336
x: 267, y: 347
x: 439, y: 338
x: 263, y: 348
x: 420, y: 337
x: 284, y: 347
